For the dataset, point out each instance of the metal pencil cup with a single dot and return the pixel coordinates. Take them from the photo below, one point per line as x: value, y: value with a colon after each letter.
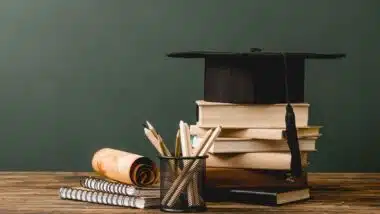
x: 182, y: 184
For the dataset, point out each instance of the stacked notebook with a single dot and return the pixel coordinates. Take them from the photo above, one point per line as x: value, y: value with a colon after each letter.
x: 251, y: 154
x: 103, y: 191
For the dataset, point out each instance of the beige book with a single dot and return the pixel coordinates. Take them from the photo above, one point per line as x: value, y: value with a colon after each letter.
x: 257, y: 133
x: 262, y: 161
x: 245, y: 145
x: 229, y: 115
x: 246, y: 178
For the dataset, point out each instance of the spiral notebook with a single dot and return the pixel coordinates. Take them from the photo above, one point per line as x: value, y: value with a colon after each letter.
x: 114, y: 187
x: 99, y: 197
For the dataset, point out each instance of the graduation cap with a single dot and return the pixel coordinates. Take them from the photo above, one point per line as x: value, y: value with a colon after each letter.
x: 258, y: 77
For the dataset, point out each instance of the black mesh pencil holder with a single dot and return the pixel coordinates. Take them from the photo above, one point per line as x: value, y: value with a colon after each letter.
x: 182, y: 184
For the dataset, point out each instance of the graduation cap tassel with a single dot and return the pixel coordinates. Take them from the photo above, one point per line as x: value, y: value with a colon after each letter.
x: 291, y: 133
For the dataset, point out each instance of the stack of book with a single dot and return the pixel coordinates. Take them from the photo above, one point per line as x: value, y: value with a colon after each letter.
x: 251, y: 150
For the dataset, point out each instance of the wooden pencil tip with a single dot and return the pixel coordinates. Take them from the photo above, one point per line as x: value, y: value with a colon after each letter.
x: 149, y: 125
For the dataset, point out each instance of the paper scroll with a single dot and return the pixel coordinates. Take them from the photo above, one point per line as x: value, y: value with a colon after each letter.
x: 125, y: 167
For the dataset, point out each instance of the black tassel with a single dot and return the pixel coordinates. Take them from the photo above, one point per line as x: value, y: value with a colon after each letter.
x: 291, y: 133
x: 292, y: 139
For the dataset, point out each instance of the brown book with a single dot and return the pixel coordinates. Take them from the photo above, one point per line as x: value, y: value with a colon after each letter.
x: 246, y: 178
x: 229, y: 115
x: 258, y: 133
x: 263, y: 160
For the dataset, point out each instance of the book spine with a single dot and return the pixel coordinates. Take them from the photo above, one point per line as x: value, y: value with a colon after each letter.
x: 97, y: 197
x: 106, y: 186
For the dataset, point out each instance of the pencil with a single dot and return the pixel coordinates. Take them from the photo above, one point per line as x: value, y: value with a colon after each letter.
x: 162, y: 145
x: 150, y: 126
x: 177, y: 145
x: 153, y: 140
x: 159, y: 145
x: 177, y: 152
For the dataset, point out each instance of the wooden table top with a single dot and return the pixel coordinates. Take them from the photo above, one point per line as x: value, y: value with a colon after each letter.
x: 37, y: 192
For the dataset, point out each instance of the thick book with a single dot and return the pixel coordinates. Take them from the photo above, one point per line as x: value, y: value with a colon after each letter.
x: 229, y: 115
x: 105, y: 185
x: 258, y: 133
x: 248, y: 178
x: 263, y: 196
x: 98, y: 197
x: 246, y: 145
x: 258, y: 160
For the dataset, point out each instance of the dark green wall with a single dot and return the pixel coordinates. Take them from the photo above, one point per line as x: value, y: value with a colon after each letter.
x: 76, y: 76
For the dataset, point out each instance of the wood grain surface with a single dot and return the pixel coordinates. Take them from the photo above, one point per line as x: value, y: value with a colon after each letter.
x: 37, y: 192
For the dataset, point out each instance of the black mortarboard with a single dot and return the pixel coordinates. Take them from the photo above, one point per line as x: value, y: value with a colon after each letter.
x: 258, y: 77
x: 253, y: 77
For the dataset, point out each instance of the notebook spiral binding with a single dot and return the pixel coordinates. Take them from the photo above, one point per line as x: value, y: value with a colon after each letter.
x: 105, y: 186
x: 98, y: 197
x: 115, y: 187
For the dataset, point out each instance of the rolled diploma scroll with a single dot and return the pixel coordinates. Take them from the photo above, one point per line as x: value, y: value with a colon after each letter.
x: 125, y: 167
